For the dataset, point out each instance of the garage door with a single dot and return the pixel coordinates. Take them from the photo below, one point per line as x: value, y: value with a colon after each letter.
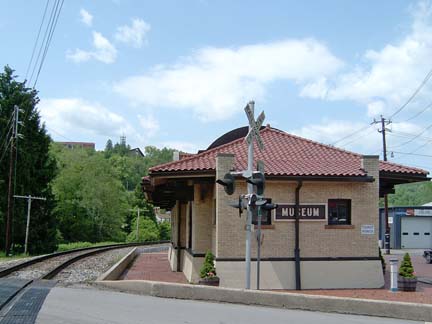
x: 416, y: 232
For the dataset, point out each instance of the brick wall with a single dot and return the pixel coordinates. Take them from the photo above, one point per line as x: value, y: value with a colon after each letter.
x: 315, y: 239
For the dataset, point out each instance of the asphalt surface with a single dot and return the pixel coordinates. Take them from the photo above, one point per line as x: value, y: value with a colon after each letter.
x: 72, y: 305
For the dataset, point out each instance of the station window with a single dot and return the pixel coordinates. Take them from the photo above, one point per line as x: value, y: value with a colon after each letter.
x: 339, y: 212
x: 265, y: 216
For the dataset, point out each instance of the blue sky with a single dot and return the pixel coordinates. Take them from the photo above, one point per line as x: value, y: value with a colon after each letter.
x: 179, y: 73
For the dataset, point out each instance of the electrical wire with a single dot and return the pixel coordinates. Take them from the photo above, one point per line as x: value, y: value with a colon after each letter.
x: 357, y: 138
x: 37, y: 39
x: 42, y: 45
x: 419, y: 113
x: 407, y: 135
x: 407, y: 153
x: 351, y: 134
x: 422, y: 84
x: 413, y: 138
x: 6, y: 149
x: 53, y: 27
x: 53, y: 130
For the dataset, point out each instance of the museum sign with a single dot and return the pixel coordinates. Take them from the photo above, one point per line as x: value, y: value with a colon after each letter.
x: 306, y: 212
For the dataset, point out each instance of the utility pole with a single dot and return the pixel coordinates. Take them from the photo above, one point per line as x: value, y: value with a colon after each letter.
x: 137, y: 222
x: 29, y: 200
x: 250, y: 191
x: 383, y: 129
x: 9, y: 214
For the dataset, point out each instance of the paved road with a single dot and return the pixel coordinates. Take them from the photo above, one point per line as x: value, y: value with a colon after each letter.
x: 71, y: 305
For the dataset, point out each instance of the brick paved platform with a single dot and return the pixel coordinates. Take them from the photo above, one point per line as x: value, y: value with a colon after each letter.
x: 422, y: 295
x: 154, y: 267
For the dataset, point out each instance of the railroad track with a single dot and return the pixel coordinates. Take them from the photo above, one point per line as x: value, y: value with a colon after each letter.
x: 49, y: 266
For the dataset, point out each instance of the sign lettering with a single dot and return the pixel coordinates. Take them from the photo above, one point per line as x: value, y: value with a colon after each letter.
x: 306, y: 212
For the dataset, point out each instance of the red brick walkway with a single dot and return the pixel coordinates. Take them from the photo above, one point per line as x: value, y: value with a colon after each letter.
x: 154, y: 267
x: 422, y: 295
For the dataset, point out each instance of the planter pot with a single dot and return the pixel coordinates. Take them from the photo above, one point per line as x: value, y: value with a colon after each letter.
x: 212, y: 281
x: 407, y: 284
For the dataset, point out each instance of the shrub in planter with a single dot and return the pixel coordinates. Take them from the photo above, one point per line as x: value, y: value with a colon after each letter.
x: 208, y: 271
x: 407, y: 280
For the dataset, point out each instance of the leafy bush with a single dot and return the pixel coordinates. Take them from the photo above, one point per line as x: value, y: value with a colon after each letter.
x: 406, y: 269
x: 80, y: 245
x: 148, y: 231
x: 165, y: 231
x: 208, y: 269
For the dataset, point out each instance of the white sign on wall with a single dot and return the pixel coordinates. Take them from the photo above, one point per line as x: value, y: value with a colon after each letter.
x: 368, y: 229
x: 423, y: 212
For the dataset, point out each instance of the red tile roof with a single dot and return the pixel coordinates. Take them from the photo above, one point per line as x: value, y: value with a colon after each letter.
x: 285, y: 155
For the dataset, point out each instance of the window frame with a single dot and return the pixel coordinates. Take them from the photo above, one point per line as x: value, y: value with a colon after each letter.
x: 339, y: 203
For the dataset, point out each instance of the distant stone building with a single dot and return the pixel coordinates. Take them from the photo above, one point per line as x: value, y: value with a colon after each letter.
x: 162, y: 215
x: 136, y: 152
x: 74, y: 145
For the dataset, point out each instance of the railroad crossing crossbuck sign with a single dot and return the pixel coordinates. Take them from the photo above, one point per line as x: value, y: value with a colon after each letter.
x: 254, y: 127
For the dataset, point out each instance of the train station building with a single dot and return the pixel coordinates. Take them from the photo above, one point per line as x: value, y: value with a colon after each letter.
x: 336, y: 193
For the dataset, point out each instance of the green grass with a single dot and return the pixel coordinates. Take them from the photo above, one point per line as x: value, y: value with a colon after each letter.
x: 3, y: 257
x: 79, y: 245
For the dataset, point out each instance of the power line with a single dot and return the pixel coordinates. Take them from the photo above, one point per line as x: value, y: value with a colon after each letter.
x: 53, y: 26
x: 421, y: 146
x: 358, y: 138
x: 425, y: 80
x: 419, y: 113
x: 37, y: 39
x: 415, y: 154
x: 415, y: 137
x: 59, y: 134
x: 408, y: 135
x: 351, y: 134
x: 46, y: 41
x: 43, y: 40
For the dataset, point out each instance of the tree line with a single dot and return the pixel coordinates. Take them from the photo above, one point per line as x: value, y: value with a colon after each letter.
x: 90, y: 195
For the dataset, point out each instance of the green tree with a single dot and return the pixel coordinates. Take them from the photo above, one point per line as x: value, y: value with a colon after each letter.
x: 108, y: 148
x: 165, y: 231
x: 35, y: 167
x: 148, y: 231
x: 411, y: 194
x: 91, y: 200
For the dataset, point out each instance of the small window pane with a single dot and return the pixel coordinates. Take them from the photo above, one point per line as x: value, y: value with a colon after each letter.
x: 339, y: 211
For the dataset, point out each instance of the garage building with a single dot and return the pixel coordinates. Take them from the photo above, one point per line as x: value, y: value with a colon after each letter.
x: 410, y: 227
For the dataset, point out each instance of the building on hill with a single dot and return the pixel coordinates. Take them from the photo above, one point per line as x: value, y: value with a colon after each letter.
x: 74, y: 145
x: 335, y: 244
x: 136, y: 152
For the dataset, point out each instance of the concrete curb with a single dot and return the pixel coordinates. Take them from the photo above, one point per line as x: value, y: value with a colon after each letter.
x: 117, y: 269
x: 400, y: 310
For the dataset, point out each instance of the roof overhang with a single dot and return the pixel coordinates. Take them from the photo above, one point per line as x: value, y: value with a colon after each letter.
x: 388, y: 180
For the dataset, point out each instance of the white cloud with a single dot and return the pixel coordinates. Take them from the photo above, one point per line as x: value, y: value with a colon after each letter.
x: 77, y: 116
x: 102, y: 51
x: 387, y: 77
x: 149, y: 124
x: 86, y: 17
x: 133, y: 35
x: 215, y: 83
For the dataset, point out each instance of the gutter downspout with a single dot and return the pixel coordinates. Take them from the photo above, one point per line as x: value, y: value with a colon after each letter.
x: 178, y: 236
x: 297, y: 234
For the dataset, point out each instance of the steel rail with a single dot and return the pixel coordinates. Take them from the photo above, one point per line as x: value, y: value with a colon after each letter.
x: 97, y: 249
